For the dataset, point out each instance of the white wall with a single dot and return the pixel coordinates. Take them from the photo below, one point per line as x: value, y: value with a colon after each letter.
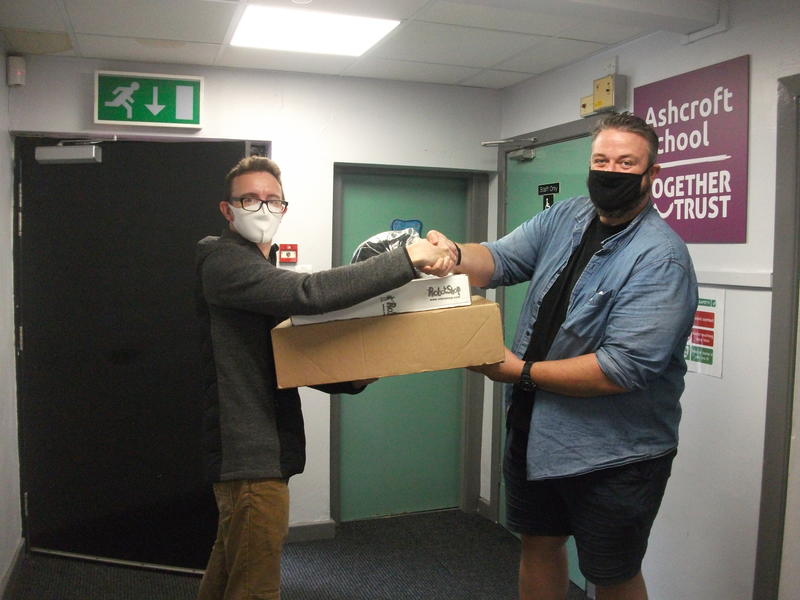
x: 704, y: 541
x: 10, y: 523
x: 313, y: 122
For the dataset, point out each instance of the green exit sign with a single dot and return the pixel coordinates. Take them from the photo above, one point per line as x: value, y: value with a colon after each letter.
x: 147, y: 99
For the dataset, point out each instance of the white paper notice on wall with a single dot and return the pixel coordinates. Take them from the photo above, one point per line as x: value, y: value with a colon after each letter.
x: 703, y: 351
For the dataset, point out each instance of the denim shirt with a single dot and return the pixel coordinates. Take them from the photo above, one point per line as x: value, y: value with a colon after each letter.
x: 633, y: 306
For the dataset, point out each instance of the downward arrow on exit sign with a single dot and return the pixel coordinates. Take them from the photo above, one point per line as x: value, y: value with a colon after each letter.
x: 155, y: 107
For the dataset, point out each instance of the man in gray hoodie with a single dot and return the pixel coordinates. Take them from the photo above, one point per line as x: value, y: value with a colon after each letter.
x: 254, y: 435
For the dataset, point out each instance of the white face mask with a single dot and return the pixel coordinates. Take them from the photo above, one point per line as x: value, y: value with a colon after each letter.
x: 258, y: 227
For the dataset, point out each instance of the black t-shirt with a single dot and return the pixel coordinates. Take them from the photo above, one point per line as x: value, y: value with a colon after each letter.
x: 553, y: 311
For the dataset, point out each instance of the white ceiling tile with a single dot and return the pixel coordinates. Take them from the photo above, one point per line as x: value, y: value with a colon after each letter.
x: 188, y: 20
x: 251, y: 58
x: 676, y: 15
x: 492, y: 17
x: 680, y: 16
x: 604, y: 32
x: 409, y: 71
x: 491, y: 78
x: 380, y: 9
x: 147, y: 50
x: 451, y: 45
x: 549, y: 54
x: 42, y: 15
x: 22, y: 41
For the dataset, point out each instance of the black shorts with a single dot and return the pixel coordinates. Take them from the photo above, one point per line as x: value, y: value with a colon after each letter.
x: 609, y: 511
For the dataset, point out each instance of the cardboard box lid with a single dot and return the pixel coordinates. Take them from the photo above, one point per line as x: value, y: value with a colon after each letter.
x: 418, y: 342
x: 428, y: 293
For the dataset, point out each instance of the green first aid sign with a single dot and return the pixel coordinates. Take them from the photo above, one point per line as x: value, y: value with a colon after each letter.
x: 147, y: 99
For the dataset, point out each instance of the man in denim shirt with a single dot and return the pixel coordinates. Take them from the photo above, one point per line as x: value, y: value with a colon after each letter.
x: 596, y: 365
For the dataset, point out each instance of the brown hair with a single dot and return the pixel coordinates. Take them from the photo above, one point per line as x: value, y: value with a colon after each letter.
x: 626, y: 121
x: 254, y: 164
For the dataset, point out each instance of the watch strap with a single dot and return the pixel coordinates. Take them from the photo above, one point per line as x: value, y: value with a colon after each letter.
x: 526, y: 383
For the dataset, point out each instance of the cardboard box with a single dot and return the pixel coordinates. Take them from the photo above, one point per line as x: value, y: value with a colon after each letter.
x: 420, y: 294
x: 417, y: 342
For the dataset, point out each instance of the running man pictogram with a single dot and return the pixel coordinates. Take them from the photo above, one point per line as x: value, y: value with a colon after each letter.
x: 124, y: 97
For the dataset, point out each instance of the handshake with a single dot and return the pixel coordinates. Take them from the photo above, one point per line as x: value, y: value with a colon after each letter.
x: 435, y: 255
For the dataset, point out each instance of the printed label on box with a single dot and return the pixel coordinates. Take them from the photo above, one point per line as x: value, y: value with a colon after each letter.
x: 420, y: 294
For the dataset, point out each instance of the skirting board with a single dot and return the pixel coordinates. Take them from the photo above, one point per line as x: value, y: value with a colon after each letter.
x: 10, y: 573
x: 309, y: 532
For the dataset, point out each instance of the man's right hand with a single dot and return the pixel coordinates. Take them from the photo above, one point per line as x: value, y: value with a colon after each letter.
x: 429, y: 258
x: 474, y: 260
x: 442, y: 243
x: 437, y: 238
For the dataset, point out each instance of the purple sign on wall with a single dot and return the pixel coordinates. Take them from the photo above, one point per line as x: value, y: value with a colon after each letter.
x: 702, y: 122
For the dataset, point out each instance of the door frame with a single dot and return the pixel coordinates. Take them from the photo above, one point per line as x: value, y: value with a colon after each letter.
x: 534, y: 139
x: 782, y: 346
x: 472, y: 400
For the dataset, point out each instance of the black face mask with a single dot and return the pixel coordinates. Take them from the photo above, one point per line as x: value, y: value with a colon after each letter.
x: 614, y: 193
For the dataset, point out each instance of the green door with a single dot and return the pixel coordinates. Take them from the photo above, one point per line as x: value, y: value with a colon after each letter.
x: 400, y: 439
x: 562, y: 166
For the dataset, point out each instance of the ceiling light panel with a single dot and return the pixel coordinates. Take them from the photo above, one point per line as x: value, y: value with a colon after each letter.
x: 303, y: 30
x: 381, y: 9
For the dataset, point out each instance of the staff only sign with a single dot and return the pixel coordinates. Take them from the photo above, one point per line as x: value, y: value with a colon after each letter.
x: 702, y: 122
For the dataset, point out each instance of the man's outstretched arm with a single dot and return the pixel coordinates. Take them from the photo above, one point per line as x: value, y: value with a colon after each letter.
x: 473, y: 260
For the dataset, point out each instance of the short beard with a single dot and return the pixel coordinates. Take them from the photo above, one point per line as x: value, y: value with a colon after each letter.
x: 625, y: 209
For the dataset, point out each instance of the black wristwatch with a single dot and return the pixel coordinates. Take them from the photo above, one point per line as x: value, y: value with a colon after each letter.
x: 526, y: 384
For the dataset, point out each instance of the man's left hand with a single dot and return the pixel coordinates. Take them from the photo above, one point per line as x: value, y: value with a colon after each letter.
x: 507, y: 371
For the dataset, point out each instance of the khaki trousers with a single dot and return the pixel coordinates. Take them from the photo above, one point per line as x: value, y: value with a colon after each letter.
x: 245, y: 562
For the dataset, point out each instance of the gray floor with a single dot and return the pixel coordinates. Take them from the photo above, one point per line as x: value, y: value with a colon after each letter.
x: 449, y: 555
